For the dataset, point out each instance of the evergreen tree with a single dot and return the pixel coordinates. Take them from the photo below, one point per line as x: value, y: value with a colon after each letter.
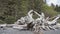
x: 57, y: 8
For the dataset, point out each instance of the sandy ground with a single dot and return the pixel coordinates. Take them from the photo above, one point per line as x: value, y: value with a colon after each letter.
x: 15, y: 31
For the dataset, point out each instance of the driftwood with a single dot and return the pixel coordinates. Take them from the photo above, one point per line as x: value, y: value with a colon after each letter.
x: 42, y: 22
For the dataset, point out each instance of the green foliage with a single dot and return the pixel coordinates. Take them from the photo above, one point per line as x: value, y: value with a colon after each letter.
x: 57, y: 8
x: 12, y: 10
x: 49, y: 11
x: 10, y: 20
x: 2, y: 22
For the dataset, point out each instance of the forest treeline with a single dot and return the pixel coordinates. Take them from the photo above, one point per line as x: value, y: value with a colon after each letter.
x: 12, y: 10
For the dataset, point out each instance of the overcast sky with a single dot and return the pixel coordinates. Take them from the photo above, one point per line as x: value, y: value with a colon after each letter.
x: 53, y: 1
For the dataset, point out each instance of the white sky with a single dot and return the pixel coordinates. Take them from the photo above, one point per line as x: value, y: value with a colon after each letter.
x: 53, y: 1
